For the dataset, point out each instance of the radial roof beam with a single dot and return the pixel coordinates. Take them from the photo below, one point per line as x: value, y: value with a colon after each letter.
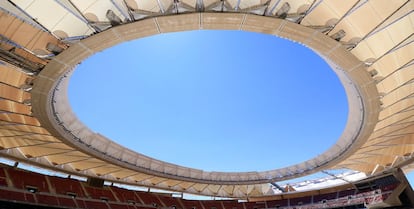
x: 219, y: 6
x: 278, y: 187
x: 161, y: 6
x: 283, y: 11
x: 258, y: 9
x: 335, y: 176
x: 114, y: 20
x: 199, y: 5
x: 270, y: 11
x: 179, y: 7
x: 122, y: 7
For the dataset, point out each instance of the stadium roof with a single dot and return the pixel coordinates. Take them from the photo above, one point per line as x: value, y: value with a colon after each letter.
x: 369, y: 44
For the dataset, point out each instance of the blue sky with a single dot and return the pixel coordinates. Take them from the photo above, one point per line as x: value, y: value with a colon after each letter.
x: 212, y: 100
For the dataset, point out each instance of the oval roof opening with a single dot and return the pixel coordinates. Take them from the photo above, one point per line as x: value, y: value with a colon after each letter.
x: 213, y: 100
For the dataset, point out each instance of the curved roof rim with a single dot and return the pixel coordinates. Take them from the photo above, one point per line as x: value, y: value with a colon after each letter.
x: 51, y: 105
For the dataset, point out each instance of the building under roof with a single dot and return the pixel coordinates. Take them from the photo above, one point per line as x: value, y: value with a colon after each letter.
x: 368, y: 43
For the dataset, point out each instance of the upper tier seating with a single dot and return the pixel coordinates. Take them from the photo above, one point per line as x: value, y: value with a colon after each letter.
x: 277, y: 203
x: 149, y: 198
x: 255, y: 205
x: 192, y: 204
x: 322, y: 197
x: 67, y: 186
x: 24, y: 180
x: 170, y: 201
x: 3, y: 181
x: 212, y: 204
x: 125, y: 195
x: 42, y: 190
x: 231, y: 204
x: 100, y: 193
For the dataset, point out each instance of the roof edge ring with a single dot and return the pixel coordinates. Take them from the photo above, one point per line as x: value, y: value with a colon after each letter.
x: 50, y: 103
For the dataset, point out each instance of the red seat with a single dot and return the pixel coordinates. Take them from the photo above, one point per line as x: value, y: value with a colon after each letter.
x: 231, y: 204
x: 12, y: 195
x: 277, y: 203
x: 192, y: 204
x: 17, y: 196
x: 212, y: 204
x: 65, y: 186
x: 95, y: 204
x: 80, y: 203
x: 301, y: 201
x: 254, y: 205
x: 170, y: 201
x: 3, y: 182
x: 125, y: 195
x: 2, y: 173
x: 149, y: 198
x: 121, y: 206
x: 29, y: 198
x: 345, y: 193
x: 66, y: 202
x: 3, y: 177
x: 23, y: 179
x: 100, y: 193
x: 321, y: 197
x: 47, y: 200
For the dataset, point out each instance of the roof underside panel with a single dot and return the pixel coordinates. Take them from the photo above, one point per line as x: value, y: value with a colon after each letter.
x: 56, y: 20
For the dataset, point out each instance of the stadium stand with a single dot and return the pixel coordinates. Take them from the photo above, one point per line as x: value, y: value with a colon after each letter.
x: 67, y: 186
x: 376, y: 192
x: 30, y: 181
x: 211, y: 204
x: 125, y: 195
x: 46, y: 199
x: 100, y: 193
x: 323, y: 197
x: 192, y: 204
x: 231, y: 204
x: 149, y: 199
x: 67, y: 202
x: 3, y: 178
x: 40, y: 39
x: 277, y: 203
x: 170, y: 202
x: 50, y: 191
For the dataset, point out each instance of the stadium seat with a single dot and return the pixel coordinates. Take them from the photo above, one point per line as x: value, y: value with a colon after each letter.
x: 80, y: 203
x: 66, y: 202
x: 47, y: 200
x: 191, y: 204
x: 125, y: 195
x: 92, y: 204
x: 169, y: 201
x: 277, y: 203
x: 3, y: 181
x: 212, y: 204
x: 66, y: 186
x: 149, y: 198
x: 121, y: 206
x: 254, y: 205
x: 231, y: 204
x: 100, y: 193
x: 301, y: 201
x: 322, y: 197
x: 24, y: 180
